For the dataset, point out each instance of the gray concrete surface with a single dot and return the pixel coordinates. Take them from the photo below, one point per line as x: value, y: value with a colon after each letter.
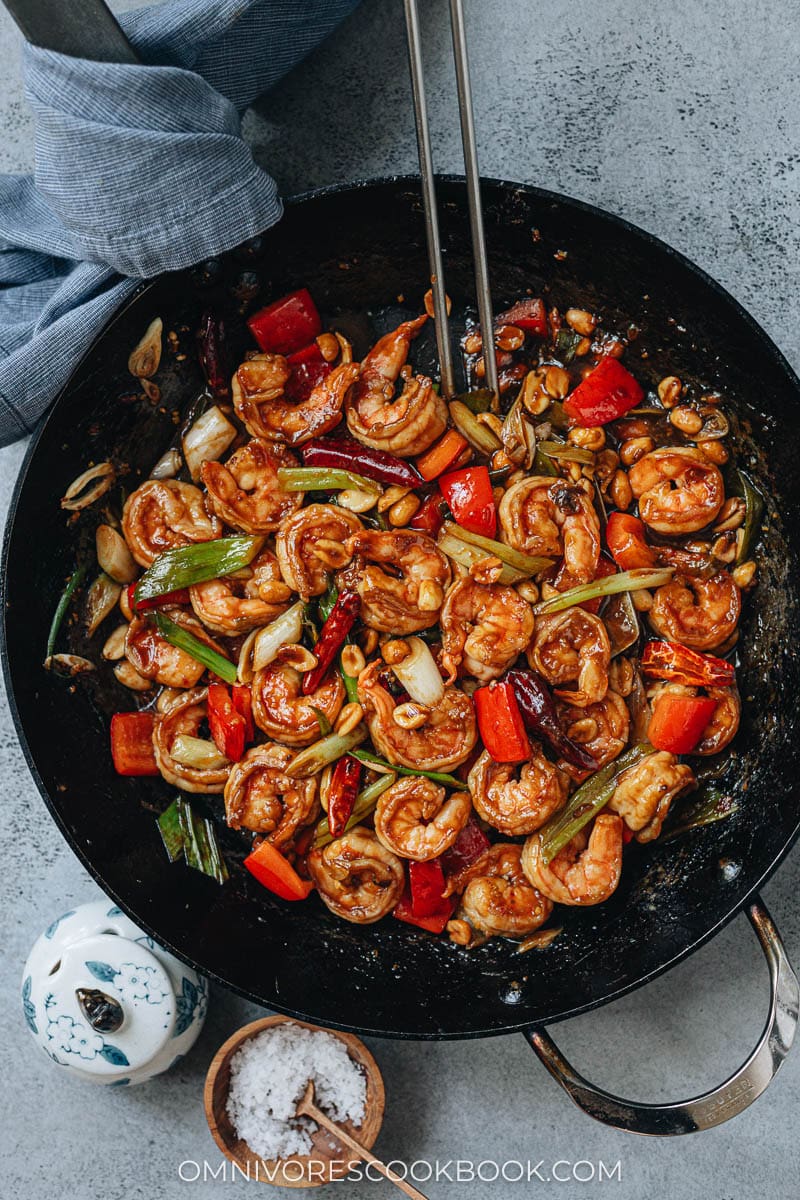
x: 684, y: 118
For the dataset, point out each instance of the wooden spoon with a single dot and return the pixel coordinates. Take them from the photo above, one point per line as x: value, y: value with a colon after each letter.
x: 308, y: 1108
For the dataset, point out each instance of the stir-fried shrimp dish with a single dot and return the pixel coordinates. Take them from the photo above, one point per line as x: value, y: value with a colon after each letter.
x: 447, y: 659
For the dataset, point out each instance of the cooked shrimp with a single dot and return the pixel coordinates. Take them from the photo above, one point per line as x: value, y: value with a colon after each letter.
x: 485, y: 627
x: 310, y: 544
x: 356, y: 877
x: 403, y: 581
x: 678, y: 489
x: 259, y: 400
x: 517, y: 799
x: 724, y: 723
x: 283, y: 712
x: 259, y: 795
x: 238, y: 603
x: 185, y: 714
x: 601, y: 728
x: 408, y: 424
x: 645, y: 791
x: 539, y: 515
x: 416, y: 819
x: 498, y: 899
x: 244, y: 491
x: 699, y: 613
x: 155, y: 658
x: 445, y: 740
x: 572, y: 647
x: 586, y: 871
x: 162, y: 514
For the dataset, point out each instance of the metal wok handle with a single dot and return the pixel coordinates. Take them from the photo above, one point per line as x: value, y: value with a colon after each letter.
x: 712, y: 1108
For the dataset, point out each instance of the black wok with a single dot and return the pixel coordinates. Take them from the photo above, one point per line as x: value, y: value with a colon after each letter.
x: 359, y: 250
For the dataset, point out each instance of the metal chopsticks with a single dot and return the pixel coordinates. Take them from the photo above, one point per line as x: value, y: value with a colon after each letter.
x: 472, y: 172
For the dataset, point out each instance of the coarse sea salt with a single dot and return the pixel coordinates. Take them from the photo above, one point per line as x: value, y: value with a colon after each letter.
x: 269, y: 1074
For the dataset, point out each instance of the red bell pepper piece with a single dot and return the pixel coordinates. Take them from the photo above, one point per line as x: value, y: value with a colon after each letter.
x: 422, y: 902
x: 228, y: 727
x: 286, y: 325
x: 342, y: 793
x: 132, y: 743
x: 242, y: 698
x: 669, y: 660
x: 607, y: 392
x: 442, y: 455
x: 350, y: 455
x: 626, y: 542
x: 470, y: 845
x: 678, y: 722
x: 430, y: 517
x: 434, y: 924
x: 500, y: 723
x: 309, y: 354
x: 605, y: 567
x: 309, y: 369
x: 270, y: 868
x: 427, y: 883
x: 331, y: 639
x: 470, y: 499
x: 530, y: 315
x: 181, y: 596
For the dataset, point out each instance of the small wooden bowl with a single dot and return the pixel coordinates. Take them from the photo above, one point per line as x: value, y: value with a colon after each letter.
x: 326, y: 1162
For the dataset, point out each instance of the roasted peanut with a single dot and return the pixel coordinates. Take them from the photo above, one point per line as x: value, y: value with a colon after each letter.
x: 635, y: 448
x: 686, y: 419
x: 581, y: 321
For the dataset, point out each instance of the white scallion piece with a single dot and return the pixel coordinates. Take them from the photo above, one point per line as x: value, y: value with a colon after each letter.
x: 419, y: 674
x: 207, y: 440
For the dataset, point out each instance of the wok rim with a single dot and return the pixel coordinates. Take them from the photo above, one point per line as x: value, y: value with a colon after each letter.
x: 769, y: 347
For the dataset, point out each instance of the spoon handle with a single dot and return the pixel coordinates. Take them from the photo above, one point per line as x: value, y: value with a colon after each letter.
x: 320, y: 1117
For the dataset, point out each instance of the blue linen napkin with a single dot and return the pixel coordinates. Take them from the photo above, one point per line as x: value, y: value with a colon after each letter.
x: 139, y: 169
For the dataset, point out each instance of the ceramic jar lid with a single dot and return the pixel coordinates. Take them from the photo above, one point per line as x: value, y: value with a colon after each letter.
x: 107, y: 1003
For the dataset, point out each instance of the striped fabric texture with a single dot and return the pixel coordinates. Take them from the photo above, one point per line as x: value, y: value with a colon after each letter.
x: 139, y: 169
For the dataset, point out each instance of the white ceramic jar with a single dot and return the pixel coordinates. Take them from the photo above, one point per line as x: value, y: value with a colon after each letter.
x: 105, y: 1002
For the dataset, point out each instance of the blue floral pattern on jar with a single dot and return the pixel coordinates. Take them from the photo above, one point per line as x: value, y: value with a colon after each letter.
x: 65, y: 1035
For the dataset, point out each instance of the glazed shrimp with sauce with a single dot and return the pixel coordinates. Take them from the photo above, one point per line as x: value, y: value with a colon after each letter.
x: 543, y: 516
x: 185, y: 715
x: 261, y: 405
x: 517, y: 799
x: 404, y: 425
x: 401, y: 577
x: 572, y: 647
x: 281, y: 710
x: 586, y: 871
x: 485, y: 627
x: 497, y: 897
x: 444, y: 740
x: 645, y: 791
x: 245, y: 492
x: 310, y: 544
x: 153, y: 657
x: 259, y: 795
x: 678, y: 489
x: 163, y: 514
x: 700, y: 613
x: 357, y: 877
x: 415, y: 818
x: 601, y: 728
x: 235, y: 604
